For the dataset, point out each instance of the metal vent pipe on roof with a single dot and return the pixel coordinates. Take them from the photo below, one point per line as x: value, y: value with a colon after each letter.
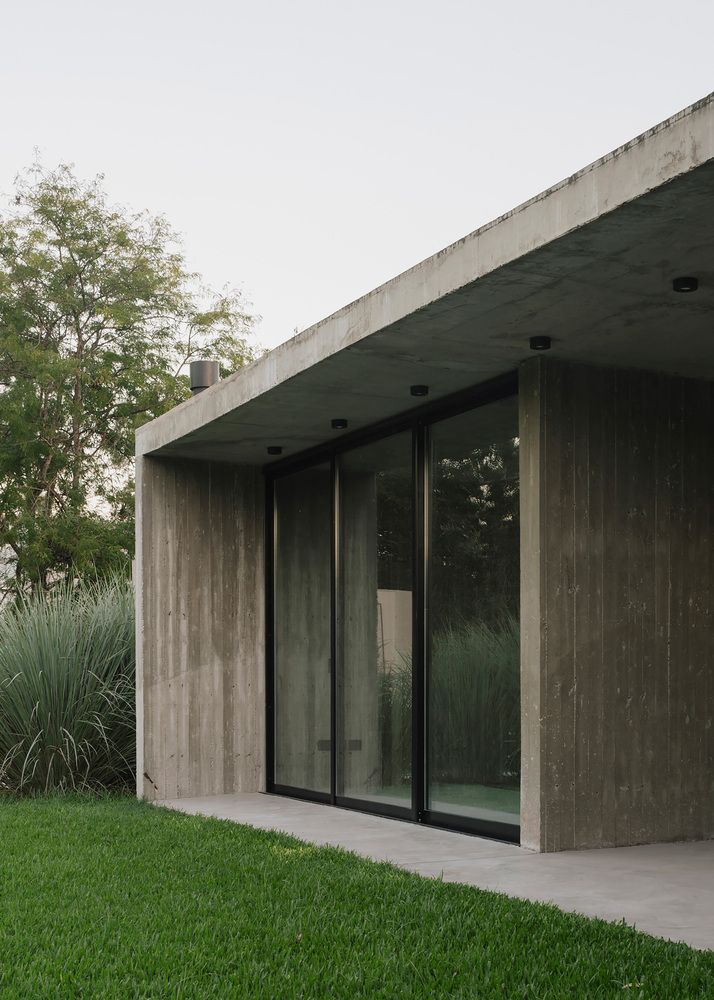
x: 202, y: 375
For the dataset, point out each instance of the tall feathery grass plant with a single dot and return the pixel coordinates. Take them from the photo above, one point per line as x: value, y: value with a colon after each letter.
x: 67, y: 703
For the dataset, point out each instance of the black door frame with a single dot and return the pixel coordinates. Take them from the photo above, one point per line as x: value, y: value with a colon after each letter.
x: 418, y: 421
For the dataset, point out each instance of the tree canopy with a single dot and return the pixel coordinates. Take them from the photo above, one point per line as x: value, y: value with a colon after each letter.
x: 99, y: 316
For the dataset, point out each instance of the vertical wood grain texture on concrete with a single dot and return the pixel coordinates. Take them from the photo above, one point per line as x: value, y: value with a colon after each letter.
x: 302, y: 629
x: 200, y: 628
x: 533, y: 635
x: 617, y: 483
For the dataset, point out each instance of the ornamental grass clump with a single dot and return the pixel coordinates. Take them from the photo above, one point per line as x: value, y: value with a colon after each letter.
x: 67, y: 704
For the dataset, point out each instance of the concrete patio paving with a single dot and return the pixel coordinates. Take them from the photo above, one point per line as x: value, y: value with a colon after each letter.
x: 664, y: 889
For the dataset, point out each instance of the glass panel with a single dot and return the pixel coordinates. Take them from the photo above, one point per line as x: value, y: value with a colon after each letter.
x: 473, y: 698
x: 303, y: 508
x: 374, y: 689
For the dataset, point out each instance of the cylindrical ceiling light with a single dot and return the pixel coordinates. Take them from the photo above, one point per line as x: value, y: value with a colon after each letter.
x: 685, y: 284
x: 540, y: 343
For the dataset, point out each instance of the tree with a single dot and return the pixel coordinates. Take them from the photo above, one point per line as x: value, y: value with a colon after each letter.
x: 98, y: 319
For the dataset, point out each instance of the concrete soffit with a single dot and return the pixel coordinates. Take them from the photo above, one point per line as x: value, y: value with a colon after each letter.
x: 589, y: 262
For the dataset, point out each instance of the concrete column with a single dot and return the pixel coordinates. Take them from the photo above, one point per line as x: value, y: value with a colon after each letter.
x: 200, y: 628
x: 617, y: 503
x: 531, y: 424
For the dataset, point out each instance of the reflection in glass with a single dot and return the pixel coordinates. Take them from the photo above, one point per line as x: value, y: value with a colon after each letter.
x: 374, y: 687
x: 303, y: 508
x: 473, y: 698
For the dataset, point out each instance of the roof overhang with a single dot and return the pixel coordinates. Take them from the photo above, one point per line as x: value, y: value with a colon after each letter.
x: 589, y: 263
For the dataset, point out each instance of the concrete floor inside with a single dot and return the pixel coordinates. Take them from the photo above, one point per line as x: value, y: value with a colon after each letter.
x: 664, y: 889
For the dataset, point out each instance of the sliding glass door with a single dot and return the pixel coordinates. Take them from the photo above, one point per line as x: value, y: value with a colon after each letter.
x: 394, y: 652
x: 473, y: 684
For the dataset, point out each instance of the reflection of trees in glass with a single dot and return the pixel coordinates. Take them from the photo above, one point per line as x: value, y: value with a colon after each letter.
x: 394, y: 530
x: 475, y: 547
x: 474, y: 687
x: 475, y: 539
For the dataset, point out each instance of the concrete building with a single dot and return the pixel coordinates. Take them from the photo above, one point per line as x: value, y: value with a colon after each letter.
x: 447, y: 555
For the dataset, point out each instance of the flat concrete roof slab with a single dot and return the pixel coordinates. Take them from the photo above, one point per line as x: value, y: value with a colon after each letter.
x: 666, y: 890
x: 589, y: 263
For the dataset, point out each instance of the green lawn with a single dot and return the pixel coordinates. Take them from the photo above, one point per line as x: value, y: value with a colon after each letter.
x: 112, y: 898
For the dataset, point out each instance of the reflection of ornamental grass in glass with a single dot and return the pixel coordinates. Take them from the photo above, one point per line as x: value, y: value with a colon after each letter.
x: 67, y: 669
x: 474, y: 705
x: 395, y: 722
x: 474, y: 702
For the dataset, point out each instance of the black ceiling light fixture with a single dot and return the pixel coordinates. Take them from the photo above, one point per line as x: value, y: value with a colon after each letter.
x: 275, y: 449
x: 338, y: 423
x: 419, y: 390
x: 540, y: 343
x: 685, y: 284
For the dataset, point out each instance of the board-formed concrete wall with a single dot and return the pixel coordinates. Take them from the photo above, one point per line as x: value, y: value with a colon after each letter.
x: 617, y: 494
x: 303, y: 583
x: 200, y: 628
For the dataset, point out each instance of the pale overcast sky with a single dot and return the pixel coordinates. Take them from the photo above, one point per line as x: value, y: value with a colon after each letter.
x: 308, y: 151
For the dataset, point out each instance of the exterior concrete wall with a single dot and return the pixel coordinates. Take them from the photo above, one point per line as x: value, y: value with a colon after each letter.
x: 200, y: 628
x: 303, y: 581
x: 617, y: 494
